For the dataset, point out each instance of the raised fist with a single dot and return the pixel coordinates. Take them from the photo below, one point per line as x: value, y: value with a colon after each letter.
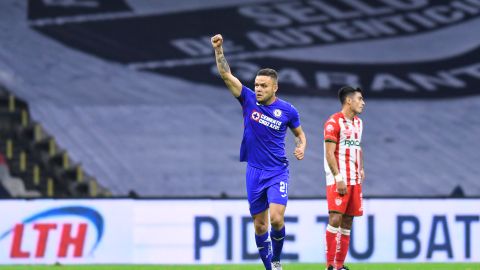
x: 217, y: 41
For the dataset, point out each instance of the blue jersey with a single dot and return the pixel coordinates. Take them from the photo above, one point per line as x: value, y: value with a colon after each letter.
x: 265, y: 128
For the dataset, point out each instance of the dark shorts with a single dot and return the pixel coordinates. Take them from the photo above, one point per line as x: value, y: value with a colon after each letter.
x: 265, y: 187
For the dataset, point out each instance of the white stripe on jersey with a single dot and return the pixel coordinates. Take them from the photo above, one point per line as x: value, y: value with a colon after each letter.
x: 341, y: 151
x: 352, y: 157
x: 359, y: 152
x: 354, y: 160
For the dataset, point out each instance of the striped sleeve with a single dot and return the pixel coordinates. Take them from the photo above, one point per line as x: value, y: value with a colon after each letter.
x: 331, y: 131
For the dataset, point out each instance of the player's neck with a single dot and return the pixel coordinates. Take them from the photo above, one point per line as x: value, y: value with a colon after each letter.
x: 349, y: 114
x: 269, y: 101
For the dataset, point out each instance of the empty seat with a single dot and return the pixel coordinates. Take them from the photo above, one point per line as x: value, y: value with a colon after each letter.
x: 16, y: 188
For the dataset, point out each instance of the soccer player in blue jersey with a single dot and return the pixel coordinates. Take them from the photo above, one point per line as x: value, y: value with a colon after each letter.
x: 266, y: 119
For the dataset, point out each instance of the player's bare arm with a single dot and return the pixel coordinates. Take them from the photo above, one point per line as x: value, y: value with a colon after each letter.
x: 300, y: 142
x: 332, y: 164
x: 231, y: 81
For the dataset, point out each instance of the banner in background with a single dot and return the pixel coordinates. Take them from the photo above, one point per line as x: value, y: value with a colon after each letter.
x: 65, y: 231
x: 390, y: 231
x: 221, y: 231
x: 38, y: 9
x: 392, y: 49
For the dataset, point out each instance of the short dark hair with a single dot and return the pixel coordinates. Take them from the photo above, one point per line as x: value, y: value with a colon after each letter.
x: 347, y: 91
x: 272, y: 73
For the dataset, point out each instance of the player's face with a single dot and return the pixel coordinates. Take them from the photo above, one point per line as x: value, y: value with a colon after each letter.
x: 265, y: 88
x: 357, y: 103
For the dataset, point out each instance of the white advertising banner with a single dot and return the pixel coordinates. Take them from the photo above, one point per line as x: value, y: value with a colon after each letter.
x: 221, y: 231
x: 391, y: 231
x: 65, y: 231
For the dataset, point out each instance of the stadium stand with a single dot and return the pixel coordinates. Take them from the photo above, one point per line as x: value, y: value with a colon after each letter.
x: 101, y: 84
x: 33, y: 164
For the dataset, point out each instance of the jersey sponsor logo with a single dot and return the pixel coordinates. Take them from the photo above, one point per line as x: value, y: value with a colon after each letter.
x: 277, y: 113
x: 352, y: 143
x: 255, y: 116
x: 265, y: 120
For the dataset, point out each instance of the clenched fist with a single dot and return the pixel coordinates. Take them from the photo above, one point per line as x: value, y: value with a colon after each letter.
x: 299, y: 153
x: 217, y: 41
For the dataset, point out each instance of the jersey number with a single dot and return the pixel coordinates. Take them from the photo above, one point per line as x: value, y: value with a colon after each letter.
x: 283, y: 187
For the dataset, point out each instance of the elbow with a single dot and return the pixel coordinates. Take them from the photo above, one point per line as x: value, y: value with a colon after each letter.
x: 225, y: 76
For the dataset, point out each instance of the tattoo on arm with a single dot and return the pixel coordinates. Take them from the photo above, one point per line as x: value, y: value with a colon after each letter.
x: 232, y: 83
x: 222, y: 64
x: 332, y: 169
x: 298, y: 142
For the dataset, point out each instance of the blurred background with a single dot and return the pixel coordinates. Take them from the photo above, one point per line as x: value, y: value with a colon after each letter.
x: 120, y: 100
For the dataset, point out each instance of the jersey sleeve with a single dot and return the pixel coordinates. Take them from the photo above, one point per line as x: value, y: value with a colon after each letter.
x: 245, y: 95
x: 294, y: 119
x: 331, y: 131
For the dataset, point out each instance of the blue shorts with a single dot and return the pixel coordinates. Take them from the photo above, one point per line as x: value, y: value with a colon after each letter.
x: 265, y: 187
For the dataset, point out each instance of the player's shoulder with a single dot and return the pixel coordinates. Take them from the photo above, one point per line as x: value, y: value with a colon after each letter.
x: 334, y: 118
x: 247, y: 94
x: 247, y: 90
x: 285, y: 105
x: 283, y: 102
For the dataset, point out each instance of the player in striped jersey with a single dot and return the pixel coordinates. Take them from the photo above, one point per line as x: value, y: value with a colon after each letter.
x: 344, y: 173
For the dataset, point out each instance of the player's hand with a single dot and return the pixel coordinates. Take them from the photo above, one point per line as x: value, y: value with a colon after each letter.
x: 217, y: 41
x: 362, y: 175
x: 299, y: 153
x: 341, y: 188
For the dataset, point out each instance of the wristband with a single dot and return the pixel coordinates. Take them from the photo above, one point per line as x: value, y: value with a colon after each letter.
x: 338, y: 178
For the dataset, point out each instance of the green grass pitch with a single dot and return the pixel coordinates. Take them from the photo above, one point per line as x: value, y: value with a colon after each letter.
x: 286, y: 266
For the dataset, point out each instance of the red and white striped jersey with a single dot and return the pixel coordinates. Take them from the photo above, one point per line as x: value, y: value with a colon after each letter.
x: 347, y: 134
